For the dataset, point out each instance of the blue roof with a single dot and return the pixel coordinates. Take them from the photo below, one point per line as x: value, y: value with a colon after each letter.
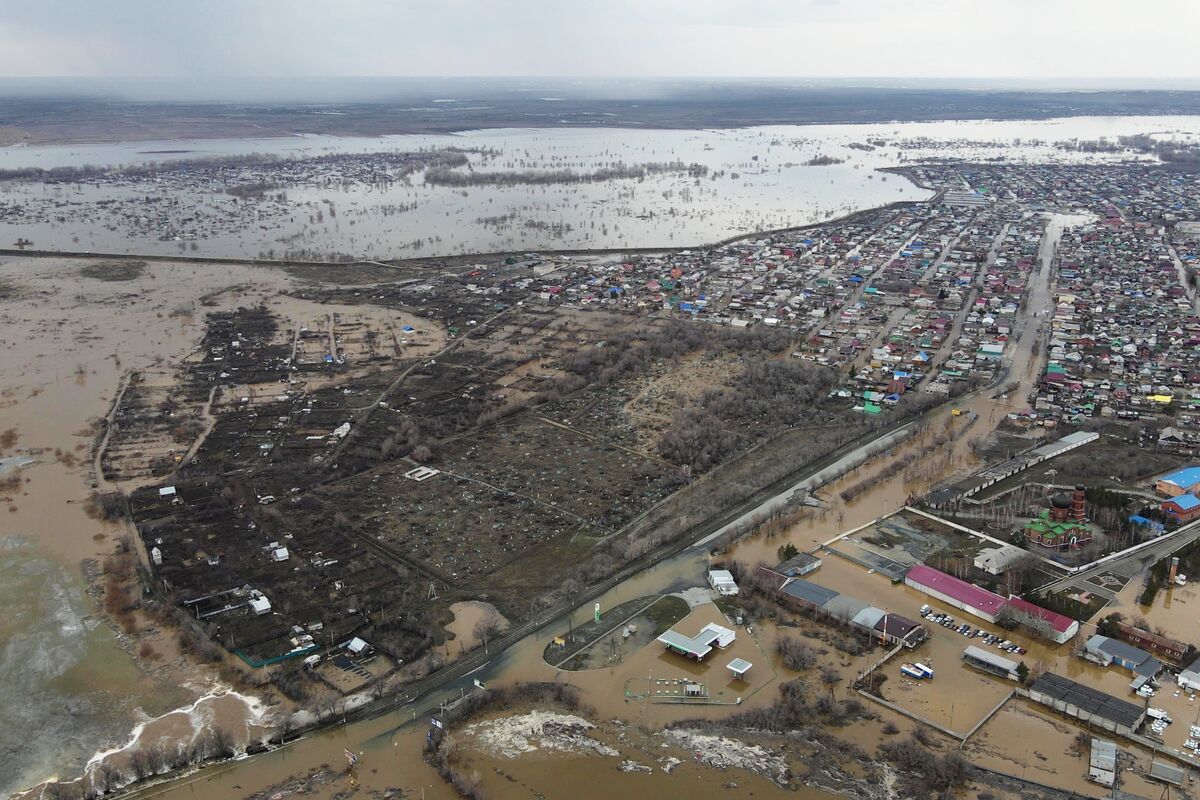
x: 1185, y: 478
x: 1186, y: 502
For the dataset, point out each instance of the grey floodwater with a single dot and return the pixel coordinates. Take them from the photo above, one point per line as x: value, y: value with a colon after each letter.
x: 754, y: 179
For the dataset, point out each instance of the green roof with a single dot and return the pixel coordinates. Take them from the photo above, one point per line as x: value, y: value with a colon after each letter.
x: 1050, y: 529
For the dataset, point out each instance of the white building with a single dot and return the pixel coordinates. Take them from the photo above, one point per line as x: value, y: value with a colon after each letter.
x: 722, y: 581
x: 260, y: 605
x: 994, y: 560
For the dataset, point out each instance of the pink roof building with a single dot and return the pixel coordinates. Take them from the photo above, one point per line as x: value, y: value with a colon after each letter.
x: 1063, y: 627
x: 958, y: 593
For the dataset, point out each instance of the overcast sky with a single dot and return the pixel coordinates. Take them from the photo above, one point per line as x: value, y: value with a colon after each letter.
x: 620, y: 38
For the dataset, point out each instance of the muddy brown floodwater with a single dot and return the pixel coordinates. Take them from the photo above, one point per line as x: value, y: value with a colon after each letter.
x: 69, y: 686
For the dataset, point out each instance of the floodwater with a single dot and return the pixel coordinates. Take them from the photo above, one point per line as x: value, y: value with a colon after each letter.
x: 757, y: 179
x: 465, y: 634
x: 68, y: 686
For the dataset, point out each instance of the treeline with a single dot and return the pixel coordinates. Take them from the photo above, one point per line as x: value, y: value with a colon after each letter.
x: 824, y: 161
x: 446, y: 175
x: 768, y: 396
x: 1166, y: 150
x: 795, y: 709
x: 401, y: 165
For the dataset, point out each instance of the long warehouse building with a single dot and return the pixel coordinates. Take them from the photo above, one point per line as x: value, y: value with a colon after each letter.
x: 1087, y: 704
x: 958, y: 593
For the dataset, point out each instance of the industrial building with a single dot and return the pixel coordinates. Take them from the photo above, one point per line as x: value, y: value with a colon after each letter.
x: 1102, y: 766
x: 721, y: 580
x: 1162, y: 647
x: 1183, y: 481
x: 987, y: 605
x: 995, y: 560
x: 1183, y: 508
x: 991, y: 663
x: 1061, y: 627
x: 798, y: 565
x: 1189, y: 676
x: 958, y: 593
x: 1087, y: 704
x: 893, y: 628
x: 992, y: 475
x: 1106, y: 651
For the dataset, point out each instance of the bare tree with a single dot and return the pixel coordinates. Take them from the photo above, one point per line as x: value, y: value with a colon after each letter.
x: 106, y: 777
x: 145, y: 762
x: 487, y: 627
x: 830, y: 678
x: 571, y: 589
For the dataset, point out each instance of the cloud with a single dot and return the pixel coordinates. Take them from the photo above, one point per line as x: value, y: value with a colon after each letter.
x: 623, y: 38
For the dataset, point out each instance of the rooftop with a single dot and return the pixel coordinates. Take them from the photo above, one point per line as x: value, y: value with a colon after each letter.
x: 810, y: 592
x: 1088, y: 700
x: 988, y: 657
x: 1060, y: 622
x: 1189, y: 476
x: 960, y: 590
x: 1186, y: 502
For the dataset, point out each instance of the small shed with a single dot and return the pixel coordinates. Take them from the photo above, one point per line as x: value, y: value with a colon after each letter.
x: 260, y: 605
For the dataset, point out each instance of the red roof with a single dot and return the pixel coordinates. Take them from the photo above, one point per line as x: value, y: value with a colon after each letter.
x: 966, y: 593
x: 1060, y: 622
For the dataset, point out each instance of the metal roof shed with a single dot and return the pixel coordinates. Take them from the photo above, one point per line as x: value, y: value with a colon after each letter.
x: 869, y: 617
x: 1087, y: 704
x: 990, y: 662
x: 1167, y: 773
x: 810, y: 593
x: 739, y: 667
x: 845, y: 607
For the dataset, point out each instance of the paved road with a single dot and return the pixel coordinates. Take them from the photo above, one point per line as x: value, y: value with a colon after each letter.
x: 1129, y: 566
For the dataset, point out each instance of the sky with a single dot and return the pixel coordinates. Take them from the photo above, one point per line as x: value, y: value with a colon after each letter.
x: 201, y: 39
